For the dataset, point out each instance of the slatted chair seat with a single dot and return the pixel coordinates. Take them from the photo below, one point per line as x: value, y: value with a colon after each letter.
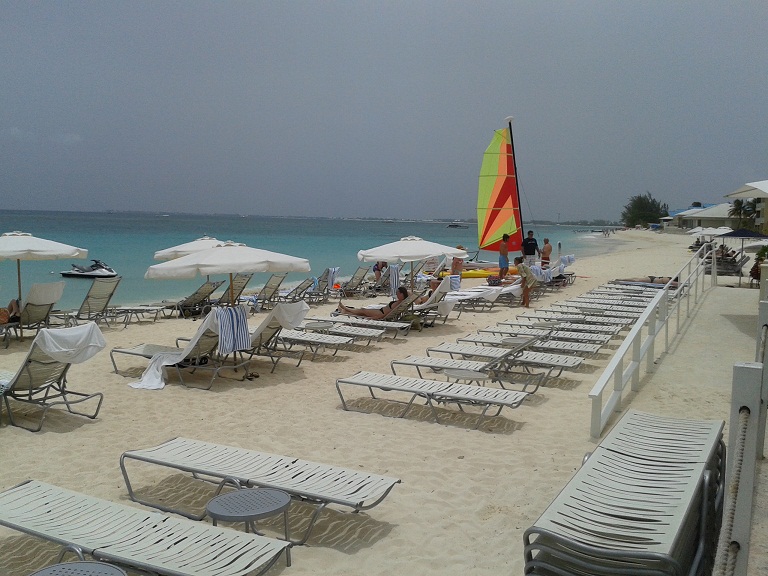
x: 506, y: 331
x: 356, y: 332
x: 136, y: 539
x: 390, y: 326
x: 499, y: 370
x: 611, y: 329
x: 320, y: 484
x: 547, y: 345
x: 623, y: 311
x: 647, y: 501
x: 315, y: 341
x: 557, y: 316
x: 547, y: 360
x: 433, y: 391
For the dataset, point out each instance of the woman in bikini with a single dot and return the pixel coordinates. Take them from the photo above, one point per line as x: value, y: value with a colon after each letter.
x: 375, y: 313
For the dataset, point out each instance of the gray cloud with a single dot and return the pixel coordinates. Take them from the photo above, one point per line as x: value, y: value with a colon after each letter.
x: 378, y: 109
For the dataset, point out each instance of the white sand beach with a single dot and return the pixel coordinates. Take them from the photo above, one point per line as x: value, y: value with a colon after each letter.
x: 466, y: 495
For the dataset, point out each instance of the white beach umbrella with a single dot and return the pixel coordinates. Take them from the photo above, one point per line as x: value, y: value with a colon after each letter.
x: 409, y: 249
x: 23, y: 246
x: 187, y: 248
x: 227, y: 258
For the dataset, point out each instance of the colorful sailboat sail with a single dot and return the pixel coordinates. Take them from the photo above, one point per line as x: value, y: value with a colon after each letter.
x: 498, y: 200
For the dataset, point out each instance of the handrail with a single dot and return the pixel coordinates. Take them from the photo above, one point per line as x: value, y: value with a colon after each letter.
x: 657, y: 315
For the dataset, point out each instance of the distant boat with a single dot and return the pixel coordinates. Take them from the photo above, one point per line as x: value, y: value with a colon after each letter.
x: 457, y: 224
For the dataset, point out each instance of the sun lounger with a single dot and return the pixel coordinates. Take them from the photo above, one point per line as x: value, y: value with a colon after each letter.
x: 296, y: 293
x: 41, y: 380
x: 321, y: 291
x: 134, y: 538
x: 314, y: 341
x: 525, y: 358
x: 195, y: 304
x: 570, y: 326
x: 557, y: 316
x: 354, y: 332
x: 599, y: 299
x: 231, y: 294
x: 355, y: 285
x: 390, y: 326
x: 35, y: 311
x: 433, y: 392
x: 319, y: 484
x: 542, y: 344
x: 554, y: 332
x: 95, y: 306
x: 498, y: 369
x: 201, y: 352
x: 269, y: 294
x: 607, y: 309
x: 664, y: 520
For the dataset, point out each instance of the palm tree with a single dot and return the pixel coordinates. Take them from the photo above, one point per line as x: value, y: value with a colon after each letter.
x: 737, y: 210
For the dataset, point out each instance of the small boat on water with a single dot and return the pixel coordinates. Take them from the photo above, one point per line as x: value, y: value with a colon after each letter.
x: 457, y: 224
x: 96, y: 270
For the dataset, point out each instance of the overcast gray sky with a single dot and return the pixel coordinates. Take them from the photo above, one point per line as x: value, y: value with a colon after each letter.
x: 356, y: 108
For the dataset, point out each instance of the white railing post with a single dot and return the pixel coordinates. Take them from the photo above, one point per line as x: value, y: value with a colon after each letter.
x: 745, y: 393
x: 762, y: 321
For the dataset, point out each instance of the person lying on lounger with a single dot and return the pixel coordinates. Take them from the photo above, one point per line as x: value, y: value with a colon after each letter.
x: 375, y: 313
x: 660, y: 280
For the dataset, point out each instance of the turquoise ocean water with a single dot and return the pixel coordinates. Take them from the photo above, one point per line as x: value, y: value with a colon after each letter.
x: 128, y: 241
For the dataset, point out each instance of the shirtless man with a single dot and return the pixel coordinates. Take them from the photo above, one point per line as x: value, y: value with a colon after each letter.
x: 504, y: 256
x: 546, y: 252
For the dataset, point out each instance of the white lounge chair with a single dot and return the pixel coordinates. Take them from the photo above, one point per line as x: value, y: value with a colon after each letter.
x: 204, y: 351
x: 41, y: 380
x: 314, y: 341
x: 95, y: 306
x: 612, y: 329
x: 433, y: 392
x: 319, y: 484
x: 148, y: 541
x: 394, y: 327
x: 525, y: 358
x: 543, y: 344
x: 35, y: 310
x: 505, y: 331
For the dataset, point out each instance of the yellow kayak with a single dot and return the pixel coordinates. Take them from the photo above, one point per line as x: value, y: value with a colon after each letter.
x: 481, y: 272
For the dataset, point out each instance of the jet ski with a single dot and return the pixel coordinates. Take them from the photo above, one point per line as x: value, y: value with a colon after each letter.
x: 96, y: 270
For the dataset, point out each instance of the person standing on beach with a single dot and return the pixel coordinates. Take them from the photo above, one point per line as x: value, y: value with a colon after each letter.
x: 529, y: 248
x: 504, y: 256
x: 529, y: 281
x: 457, y: 264
x: 546, y: 252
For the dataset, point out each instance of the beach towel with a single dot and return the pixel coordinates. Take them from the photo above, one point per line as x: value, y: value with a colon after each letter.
x: 394, y: 282
x: 71, y: 345
x: 233, y: 329
x: 332, y: 273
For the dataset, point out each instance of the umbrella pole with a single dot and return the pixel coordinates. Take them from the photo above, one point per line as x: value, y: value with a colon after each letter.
x: 231, y: 291
x: 18, y: 279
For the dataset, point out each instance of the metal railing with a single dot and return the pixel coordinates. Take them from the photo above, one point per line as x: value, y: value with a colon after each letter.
x: 639, y: 344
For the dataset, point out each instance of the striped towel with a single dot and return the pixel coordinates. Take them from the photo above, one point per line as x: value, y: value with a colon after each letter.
x: 233, y: 329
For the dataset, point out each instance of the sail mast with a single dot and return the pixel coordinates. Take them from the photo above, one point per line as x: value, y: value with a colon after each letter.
x: 517, y: 182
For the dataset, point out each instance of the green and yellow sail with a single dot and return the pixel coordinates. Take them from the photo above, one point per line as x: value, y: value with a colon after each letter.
x: 498, y: 201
